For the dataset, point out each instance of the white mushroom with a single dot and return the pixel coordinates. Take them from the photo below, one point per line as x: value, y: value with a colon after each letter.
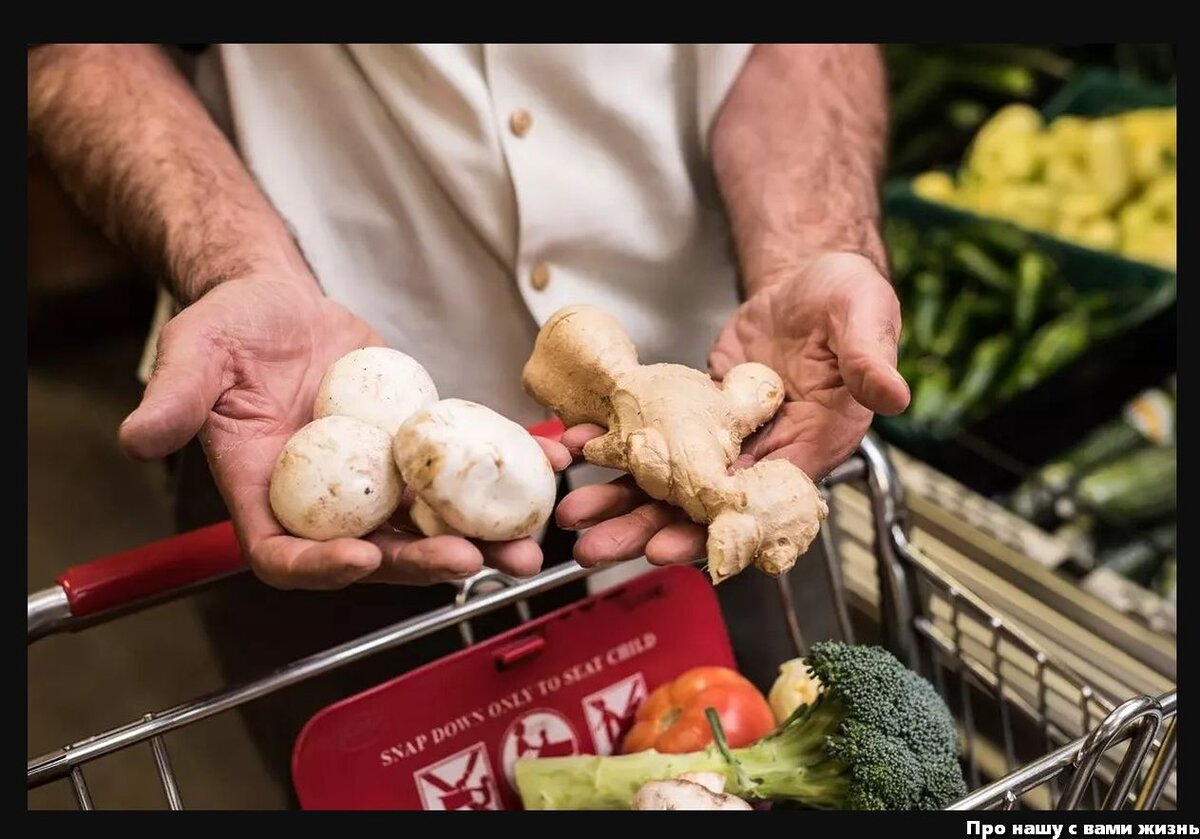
x: 683, y: 794
x: 474, y: 472
x: 378, y: 385
x: 711, y: 781
x: 335, y: 478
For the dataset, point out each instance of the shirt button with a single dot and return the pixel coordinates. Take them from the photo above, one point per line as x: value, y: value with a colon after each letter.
x: 520, y: 122
x: 540, y: 277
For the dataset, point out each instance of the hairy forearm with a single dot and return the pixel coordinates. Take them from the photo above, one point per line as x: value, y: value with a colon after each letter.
x: 798, y: 150
x: 133, y: 145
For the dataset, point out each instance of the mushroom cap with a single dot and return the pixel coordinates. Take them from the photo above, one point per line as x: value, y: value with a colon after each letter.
x: 335, y: 478
x: 378, y: 385
x: 484, y: 475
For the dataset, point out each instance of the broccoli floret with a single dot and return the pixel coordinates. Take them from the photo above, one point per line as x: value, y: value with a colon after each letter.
x: 887, y: 726
x: 878, y: 737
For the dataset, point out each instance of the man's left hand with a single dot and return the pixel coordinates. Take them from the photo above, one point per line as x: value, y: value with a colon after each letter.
x: 830, y: 330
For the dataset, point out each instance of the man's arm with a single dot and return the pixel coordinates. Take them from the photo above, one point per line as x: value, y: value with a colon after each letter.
x: 798, y: 150
x: 133, y: 145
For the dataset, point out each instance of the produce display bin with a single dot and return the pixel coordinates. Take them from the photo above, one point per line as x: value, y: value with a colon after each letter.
x: 994, y: 452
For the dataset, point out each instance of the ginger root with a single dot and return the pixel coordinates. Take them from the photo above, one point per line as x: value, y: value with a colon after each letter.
x: 677, y: 432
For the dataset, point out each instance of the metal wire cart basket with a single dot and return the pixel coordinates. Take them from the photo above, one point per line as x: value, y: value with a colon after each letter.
x: 1035, y: 733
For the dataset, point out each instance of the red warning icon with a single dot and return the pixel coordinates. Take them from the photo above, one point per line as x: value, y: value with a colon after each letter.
x: 540, y: 733
x: 463, y: 781
x: 609, y: 712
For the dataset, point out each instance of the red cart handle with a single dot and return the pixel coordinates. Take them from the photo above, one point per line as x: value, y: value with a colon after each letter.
x: 154, y: 569
x: 551, y: 430
x: 172, y: 564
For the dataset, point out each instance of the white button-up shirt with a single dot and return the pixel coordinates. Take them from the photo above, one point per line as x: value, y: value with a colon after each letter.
x: 456, y: 195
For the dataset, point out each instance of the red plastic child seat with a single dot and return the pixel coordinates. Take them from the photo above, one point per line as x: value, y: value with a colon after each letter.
x: 446, y: 736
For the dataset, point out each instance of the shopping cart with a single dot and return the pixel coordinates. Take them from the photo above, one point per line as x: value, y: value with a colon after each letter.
x: 1091, y: 750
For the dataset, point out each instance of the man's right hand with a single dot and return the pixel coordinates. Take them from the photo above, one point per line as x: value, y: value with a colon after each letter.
x: 241, y: 367
x: 127, y: 137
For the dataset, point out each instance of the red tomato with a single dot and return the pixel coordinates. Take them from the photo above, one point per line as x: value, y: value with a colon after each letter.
x: 672, y: 720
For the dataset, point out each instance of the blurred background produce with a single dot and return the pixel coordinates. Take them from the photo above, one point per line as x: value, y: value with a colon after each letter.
x: 942, y: 94
x: 1107, y: 183
x: 1032, y: 224
x: 1147, y: 421
x: 1113, y: 496
x: 989, y: 314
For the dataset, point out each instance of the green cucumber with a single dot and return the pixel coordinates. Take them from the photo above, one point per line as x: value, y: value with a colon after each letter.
x: 1118, y: 319
x: 990, y: 314
x: 1136, y: 488
x: 1007, y: 239
x: 903, y: 241
x: 930, y: 290
x: 931, y: 395
x: 1033, y: 279
x: 979, y: 264
x: 954, y: 328
x: 983, y: 370
x: 1110, y: 441
x: 1051, y: 347
x: 1148, y: 419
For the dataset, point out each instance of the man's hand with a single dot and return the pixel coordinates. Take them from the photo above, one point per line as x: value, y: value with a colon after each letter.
x: 798, y: 152
x: 241, y: 367
x: 830, y: 332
